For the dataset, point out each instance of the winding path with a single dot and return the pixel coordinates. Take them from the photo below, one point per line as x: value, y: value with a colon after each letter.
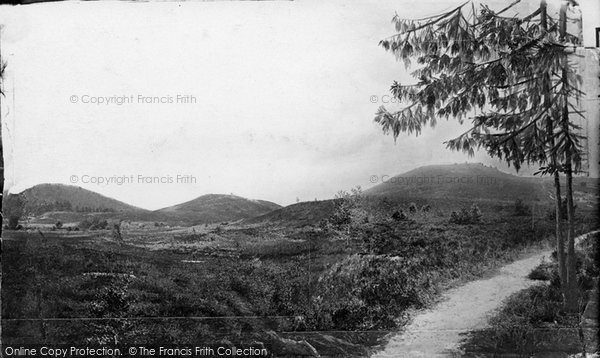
x: 438, y: 332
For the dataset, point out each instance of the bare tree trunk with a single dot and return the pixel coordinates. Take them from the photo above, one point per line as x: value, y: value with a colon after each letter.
x: 560, y: 242
x: 572, y: 294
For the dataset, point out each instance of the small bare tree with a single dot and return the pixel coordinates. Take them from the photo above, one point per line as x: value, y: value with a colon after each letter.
x: 116, y: 232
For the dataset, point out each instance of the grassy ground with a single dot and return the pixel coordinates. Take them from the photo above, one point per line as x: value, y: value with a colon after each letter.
x: 533, y: 322
x: 228, y: 283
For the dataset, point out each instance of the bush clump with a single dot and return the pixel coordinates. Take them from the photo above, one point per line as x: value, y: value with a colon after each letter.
x: 466, y: 216
x: 349, y: 210
x: 398, y: 215
x: 93, y: 224
x: 412, y: 208
x: 521, y: 209
x: 542, y: 272
x: 368, y: 292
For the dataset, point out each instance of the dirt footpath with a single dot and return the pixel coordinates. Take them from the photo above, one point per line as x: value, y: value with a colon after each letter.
x: 437, y: 332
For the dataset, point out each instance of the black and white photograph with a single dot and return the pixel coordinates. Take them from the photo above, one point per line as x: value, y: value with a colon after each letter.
x: 299, y: 178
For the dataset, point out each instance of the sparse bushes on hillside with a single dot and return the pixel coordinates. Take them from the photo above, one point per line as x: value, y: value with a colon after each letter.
x: 412, y: 208
x: 90, y: 209
x: 521, y: 209
x: 93, y: 224
x: 476, y: 214
x: 466, y: 216
x: 38, y: 208
x: 398, y: 215
x: 348, y: 210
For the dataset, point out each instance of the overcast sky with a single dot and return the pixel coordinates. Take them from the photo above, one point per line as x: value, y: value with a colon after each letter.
x: 285, y: 94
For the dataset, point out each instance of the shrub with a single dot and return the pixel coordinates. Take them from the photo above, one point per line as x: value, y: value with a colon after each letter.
x: 341, y: 215
x: 368, y: 292
x: 398, y: 215
x: 475, y: 214
x: 93, y: 224
x: 412, y: 208
x: 464, y: 217
x: 426, y: 208
x: 58, y: 224
x: 348, y: 209
x: 521, y: 209
x: 542, y: 272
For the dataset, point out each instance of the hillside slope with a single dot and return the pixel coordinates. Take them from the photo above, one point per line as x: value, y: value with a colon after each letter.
x: 472, y: 181
x: 59, y: 197
x: 219, y: 207
x: 446, y: 187
x: 305, y: 213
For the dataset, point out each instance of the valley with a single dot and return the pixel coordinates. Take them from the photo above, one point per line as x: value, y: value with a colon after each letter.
x: 328, y: 278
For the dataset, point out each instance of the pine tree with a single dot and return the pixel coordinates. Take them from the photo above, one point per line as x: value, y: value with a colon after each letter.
x: 511, y: 78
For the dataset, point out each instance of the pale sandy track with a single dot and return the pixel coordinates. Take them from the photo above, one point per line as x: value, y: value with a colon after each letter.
x: 437, y: 332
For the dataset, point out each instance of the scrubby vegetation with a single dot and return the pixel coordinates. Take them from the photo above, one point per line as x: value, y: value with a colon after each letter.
x: 521, y: 209
x: 466, y: 216
x: 360, y: 270
x: 533, y: 321
x: 94, y: 223
x: 542, y: 272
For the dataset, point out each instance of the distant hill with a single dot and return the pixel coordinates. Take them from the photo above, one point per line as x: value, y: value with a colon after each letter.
x: 466, y: 181
x: 305, y: 213
x: 445, y: 186
x: 219, y: 207
x: 51, y: 202
x: 59, y: 197
x: 471, y: 181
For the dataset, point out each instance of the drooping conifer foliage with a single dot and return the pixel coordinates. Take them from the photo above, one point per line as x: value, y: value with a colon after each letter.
x: 502, y: 73
x: 509, y: 77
